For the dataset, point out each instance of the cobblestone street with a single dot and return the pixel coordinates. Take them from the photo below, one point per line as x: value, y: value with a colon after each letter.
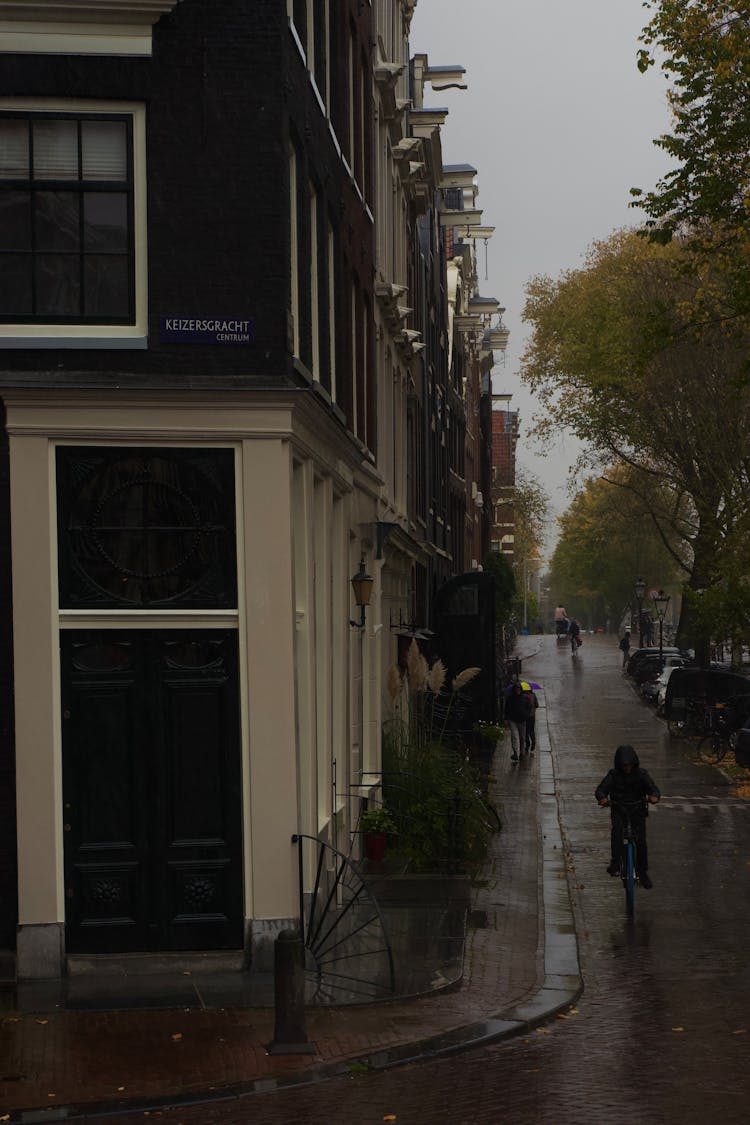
x: 661, y: 1032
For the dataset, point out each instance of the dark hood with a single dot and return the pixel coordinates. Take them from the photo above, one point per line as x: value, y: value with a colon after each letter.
x: 625, y: 755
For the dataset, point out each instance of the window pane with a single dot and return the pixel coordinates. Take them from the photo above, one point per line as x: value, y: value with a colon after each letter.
x: 15, y: 220
x: 14, y: 150
x: 104, y: 150
x: 55, y: 150
x: 57, y: 221
x: 15, y: 285
x: 58, y: 284
x: 106, y: 285
x: 105, y: 221
x: 146, y: 527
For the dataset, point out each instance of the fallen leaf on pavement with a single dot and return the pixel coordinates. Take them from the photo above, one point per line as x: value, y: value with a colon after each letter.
x: 177, y: 1035
x: 740, y: 1031
x: 678, y: 1029
x: 42, y: 1021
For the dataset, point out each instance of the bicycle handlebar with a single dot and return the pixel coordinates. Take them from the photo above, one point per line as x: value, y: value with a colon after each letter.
x: 625, y: 807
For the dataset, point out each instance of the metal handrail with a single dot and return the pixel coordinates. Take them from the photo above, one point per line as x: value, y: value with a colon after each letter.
x: 327, y: 933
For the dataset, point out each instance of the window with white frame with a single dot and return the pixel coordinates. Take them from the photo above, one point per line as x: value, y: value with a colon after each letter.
x: 72, y: 222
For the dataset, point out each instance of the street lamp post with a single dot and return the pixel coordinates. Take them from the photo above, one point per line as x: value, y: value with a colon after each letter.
x: 640, y: 590
x: 661, y: 601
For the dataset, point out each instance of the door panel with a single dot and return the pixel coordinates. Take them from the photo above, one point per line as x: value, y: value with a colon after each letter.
x: 151, y: 781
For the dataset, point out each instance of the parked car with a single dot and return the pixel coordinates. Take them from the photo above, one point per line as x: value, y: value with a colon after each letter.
x: 661, y: 682
x: 653, y: 678
x: 643, y: 653
x: 712, y: 685
x: 652, y: 666
x: 742, y: 747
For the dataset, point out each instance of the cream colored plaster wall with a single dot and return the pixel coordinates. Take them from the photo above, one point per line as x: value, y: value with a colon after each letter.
x: 267, y: 436
x: 36, y: 681
x: 267, y: 486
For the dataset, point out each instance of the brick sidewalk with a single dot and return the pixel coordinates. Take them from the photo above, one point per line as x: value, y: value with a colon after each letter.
x: 91, y: 1060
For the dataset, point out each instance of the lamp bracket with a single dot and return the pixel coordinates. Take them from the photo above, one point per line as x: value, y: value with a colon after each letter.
x: 383, y: 530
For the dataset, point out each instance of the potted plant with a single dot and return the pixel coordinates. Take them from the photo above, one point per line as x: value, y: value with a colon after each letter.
x: 377, y: 825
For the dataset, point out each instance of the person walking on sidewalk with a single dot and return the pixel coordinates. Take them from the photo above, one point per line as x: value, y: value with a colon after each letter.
x: 628, y: 784
x: 531, y: 721
x: 518, y: 708
x: 625, y: 647
x: 574, y: 632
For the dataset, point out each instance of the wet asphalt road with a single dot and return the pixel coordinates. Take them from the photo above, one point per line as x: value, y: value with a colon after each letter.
x: 662, y: 1030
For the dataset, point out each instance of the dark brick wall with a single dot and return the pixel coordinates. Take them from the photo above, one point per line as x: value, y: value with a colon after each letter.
x: 216, y: 91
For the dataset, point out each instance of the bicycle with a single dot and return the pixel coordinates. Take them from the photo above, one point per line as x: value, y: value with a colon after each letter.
x: 694, y: 723
x: 628, y: 856
x: 719, y: 736
x: 561, y: 631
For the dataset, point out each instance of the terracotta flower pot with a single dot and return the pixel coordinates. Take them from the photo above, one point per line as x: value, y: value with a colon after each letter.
x: 375, y: 846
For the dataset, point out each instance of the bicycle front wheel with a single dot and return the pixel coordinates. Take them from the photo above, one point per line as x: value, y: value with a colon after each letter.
x: 711, y: 749
x: 629, y: 879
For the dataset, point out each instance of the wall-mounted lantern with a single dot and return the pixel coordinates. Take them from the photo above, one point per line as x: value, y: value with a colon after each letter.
x: 362, y: 586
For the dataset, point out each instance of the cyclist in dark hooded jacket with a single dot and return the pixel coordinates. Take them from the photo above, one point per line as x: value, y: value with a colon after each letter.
x: 628, y: 784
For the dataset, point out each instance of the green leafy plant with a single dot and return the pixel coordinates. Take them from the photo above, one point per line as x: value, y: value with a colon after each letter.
x: 378, y: 820
x: 431, y: 789
x: 491, y: 731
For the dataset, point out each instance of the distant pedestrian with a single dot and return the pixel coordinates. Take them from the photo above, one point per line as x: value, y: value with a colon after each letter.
x: 561, y: 621
x: 647, y: 629
x: 518, y: 709
x: 531, y: 721
x: 625, y: 647
x: 574, y: 632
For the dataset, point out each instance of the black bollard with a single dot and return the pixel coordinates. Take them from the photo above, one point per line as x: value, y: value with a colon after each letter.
x: 290, y: 1033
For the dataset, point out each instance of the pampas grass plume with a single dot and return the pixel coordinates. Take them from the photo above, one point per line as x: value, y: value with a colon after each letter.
x: 436, y: 678
x: 465, y: 677
x: 393, y: 682
x: 417, y: 667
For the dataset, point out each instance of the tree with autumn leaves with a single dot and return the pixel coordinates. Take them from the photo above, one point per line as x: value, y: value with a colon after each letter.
x: 664, y: 412
x: 606, y: 542
x: 703, y: 47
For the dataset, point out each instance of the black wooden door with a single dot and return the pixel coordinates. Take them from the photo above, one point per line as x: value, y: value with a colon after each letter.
x: 151, y: 790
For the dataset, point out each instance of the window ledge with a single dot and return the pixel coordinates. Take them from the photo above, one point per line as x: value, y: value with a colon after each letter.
x: 104, y: 343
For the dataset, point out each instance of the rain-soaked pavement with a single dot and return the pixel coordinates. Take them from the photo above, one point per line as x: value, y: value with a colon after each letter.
x: 662, y: 1030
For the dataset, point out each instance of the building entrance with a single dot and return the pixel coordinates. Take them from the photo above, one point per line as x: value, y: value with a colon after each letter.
x: 151, y: 790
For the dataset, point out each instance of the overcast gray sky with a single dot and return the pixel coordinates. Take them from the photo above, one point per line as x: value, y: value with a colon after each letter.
x: 559, y: 124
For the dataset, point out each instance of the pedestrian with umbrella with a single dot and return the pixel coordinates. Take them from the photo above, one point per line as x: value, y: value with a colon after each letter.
x: 519, y: 711
x: 529, y: 688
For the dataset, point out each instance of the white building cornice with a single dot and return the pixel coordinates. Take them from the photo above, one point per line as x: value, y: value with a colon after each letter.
x: 80, y: 27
